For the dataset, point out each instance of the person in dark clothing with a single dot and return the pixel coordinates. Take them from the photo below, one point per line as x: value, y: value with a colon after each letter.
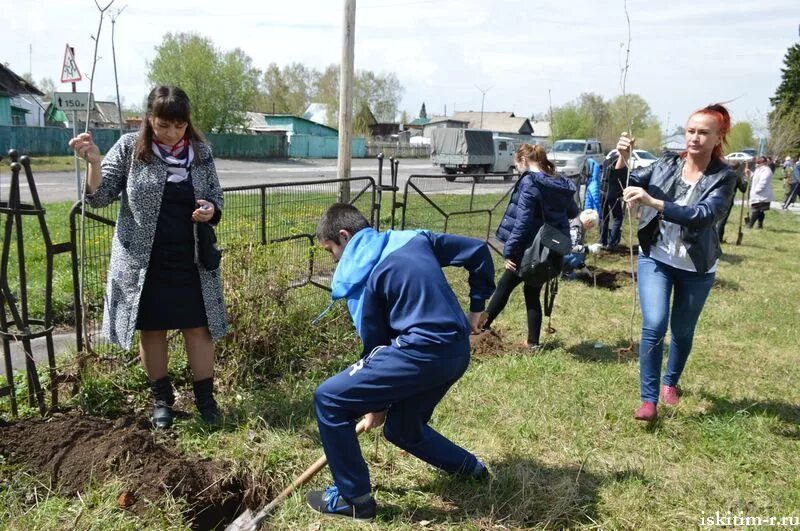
x: 416, y: 346
x: 612, y: 205
x: 539, y: 196
x: 795, y: 191
x: 165, y: 179
x: 741, y: 185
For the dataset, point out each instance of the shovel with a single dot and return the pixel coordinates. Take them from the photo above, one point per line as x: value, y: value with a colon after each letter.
x: 247, y: 521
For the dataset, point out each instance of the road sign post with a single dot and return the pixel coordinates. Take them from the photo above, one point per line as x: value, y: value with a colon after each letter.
x: 73, y: 101
x: 70, y: 73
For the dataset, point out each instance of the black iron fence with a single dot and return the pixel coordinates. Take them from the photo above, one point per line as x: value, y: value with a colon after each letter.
x: 281, y: 219
x: 469, y: 205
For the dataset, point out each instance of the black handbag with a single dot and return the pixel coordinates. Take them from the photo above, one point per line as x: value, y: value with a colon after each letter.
x: 542, y: 261
x: 207, y: 251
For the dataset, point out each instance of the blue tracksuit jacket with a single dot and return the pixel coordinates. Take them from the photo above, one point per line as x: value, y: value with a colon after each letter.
x: 397, y: 292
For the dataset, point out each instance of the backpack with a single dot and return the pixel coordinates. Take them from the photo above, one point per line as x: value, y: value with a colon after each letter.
x: 542, y: 261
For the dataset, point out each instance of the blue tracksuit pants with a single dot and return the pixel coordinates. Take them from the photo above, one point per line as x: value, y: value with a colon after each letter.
x: 409, y: 383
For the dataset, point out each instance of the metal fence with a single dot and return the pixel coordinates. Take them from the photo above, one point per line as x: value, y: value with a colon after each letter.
x: 469, y: 205
x: 280, y: 219
x: 398, y: 150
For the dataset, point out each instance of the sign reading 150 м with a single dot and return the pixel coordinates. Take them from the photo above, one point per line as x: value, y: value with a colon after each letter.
x: 72, y: 101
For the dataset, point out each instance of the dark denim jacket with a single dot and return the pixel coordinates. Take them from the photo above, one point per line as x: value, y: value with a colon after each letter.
x: 698, y: 221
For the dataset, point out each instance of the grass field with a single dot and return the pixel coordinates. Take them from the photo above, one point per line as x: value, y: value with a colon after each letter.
x: 556, y: 429
x: 53, y: 163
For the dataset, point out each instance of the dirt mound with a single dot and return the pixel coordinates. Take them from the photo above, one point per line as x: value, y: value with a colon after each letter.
x: 487, y: 344
x: 73, y: 449
x: 610, y: 280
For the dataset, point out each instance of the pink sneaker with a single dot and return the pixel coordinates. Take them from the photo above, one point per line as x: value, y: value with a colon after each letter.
x: 646, y: 412
x: 670, y: 395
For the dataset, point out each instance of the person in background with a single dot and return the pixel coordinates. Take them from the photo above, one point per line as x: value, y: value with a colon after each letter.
x: 761, y: 194
x: 741, y: 185
x: 539, y: 196
x: 682, y: 197
x: 795, y: 186
x: 576, y: 260
x: 166, y: 181
x: 612, y: 204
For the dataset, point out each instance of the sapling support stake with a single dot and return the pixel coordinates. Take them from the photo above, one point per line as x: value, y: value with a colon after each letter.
x: 629, y: 122
x: 82, y: 282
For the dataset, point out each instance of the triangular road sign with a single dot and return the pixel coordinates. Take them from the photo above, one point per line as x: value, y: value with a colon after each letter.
x: 70, y: 72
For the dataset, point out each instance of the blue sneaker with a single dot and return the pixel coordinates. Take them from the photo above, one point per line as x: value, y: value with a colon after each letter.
x: 330, y: 502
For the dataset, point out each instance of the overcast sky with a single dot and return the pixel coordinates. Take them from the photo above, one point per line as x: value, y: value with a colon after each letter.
x: 684, y: 54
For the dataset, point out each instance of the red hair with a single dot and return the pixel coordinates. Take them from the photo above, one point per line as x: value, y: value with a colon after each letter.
x: 722, y: 117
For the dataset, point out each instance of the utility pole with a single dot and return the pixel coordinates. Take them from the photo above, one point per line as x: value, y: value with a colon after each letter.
x: 114, y: 58
x: 346, y: 99
x: 483, y: 97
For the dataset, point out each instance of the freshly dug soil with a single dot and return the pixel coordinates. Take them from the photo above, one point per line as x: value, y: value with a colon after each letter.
x: 610, y: 280
x: 71, y: 450
x: 487, y: 344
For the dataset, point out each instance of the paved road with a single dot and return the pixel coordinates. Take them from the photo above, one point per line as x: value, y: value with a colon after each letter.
x: 60, y: 186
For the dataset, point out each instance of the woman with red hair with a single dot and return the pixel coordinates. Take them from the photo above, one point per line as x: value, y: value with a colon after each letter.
x: 682, y: 198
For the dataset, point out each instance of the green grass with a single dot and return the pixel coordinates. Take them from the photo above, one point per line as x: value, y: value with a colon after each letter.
x: 556, y: 428
x: 57, y: 218
x: 53, y: 163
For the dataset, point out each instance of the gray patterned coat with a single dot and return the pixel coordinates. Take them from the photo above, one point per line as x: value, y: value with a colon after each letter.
x: 141, y: 186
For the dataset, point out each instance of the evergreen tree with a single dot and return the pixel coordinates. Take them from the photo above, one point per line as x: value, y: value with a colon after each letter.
x: 422, y: 112
x: 784, y: 120
x: 788, y: 92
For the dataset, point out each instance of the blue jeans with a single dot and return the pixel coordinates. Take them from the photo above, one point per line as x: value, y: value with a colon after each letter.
x: 410, y: 383
x: 573, y: 261
x: 657, y: 283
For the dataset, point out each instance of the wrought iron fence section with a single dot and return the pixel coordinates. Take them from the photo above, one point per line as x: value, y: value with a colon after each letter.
x: 468, y: 205
x: 280, y: 218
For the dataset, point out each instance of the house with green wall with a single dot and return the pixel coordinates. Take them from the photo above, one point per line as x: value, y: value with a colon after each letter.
x: 12, y: 86
x: 307, y: 139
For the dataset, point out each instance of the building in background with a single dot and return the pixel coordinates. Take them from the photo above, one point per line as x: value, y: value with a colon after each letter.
x: 20, y: 101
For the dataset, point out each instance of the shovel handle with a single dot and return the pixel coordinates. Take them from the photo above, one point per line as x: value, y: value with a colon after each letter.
x: 300, y: 480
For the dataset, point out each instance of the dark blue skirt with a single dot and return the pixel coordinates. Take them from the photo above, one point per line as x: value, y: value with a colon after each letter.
x: 172, y: 298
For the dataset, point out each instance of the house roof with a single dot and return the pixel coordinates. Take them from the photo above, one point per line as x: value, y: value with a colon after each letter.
x: 420, y: 121
x: 260, y: 122
x: 257, y: 122
x: 441, y: 119
x: 12, y: 84
x: 499, y: 122
x: 105, y: 112
x: 675, y: 143
x: 541, y: 129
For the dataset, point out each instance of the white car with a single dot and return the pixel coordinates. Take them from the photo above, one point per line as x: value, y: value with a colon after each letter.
x: 641, y: 158
x: 739, y: 156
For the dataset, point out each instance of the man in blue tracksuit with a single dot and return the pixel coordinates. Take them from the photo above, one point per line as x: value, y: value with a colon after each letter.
x: 416, y: 346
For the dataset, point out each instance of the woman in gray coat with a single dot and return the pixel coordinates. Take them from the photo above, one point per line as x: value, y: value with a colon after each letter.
x: 166, y: 181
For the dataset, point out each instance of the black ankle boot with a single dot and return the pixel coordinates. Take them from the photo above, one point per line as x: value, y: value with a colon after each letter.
x: 204, y: 400
x: 163, y: 400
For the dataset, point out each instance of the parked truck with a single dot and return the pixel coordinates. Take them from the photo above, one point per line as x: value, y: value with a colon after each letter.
x: 472, y: 151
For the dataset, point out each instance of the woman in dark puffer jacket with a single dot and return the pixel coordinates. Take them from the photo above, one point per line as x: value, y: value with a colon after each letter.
x: 539, y: 196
